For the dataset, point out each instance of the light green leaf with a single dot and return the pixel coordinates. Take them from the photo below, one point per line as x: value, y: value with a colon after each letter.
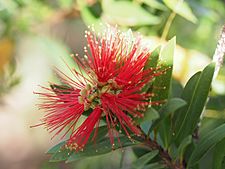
x: 195, y: 94
x: 155, y: 4
x: 161, y: 85
x: 181, y: 8
x: 206, y: 143
x: 127, y: 13
x: 141, y: 161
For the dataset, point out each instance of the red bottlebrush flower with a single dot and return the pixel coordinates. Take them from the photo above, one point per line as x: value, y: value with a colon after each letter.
x: 109, y: 81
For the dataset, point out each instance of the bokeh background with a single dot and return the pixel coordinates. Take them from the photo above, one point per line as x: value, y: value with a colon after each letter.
x: 38, y: 35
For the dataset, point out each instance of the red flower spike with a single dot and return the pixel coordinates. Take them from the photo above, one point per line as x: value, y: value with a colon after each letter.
x: 109, y: 81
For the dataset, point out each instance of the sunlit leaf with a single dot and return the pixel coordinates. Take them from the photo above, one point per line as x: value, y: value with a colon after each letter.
x: 127, y: 13
x: 161, y: 85
x: 155, y: 4
x: 181, y: 8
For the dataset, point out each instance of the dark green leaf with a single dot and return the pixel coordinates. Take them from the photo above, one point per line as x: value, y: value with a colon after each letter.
x: 181, y: 149
x: 177, y: 88
x: 161, y: 85
x: 206, y: 143
x: 150, y: 114
x: 140, y: 163
x: 155, y: 166
x: 61, y: 155
x: 216, y: 103
x: 219, y: 155
x: 102, y: 147
x: 56, y: 148
x: 170, y: 107
x: 195, y: 94
x: 140, y: 150
x: 153, y: 59
x: 151, y: 64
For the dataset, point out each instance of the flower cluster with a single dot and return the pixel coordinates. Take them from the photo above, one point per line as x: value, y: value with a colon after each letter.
x: 107, y: 83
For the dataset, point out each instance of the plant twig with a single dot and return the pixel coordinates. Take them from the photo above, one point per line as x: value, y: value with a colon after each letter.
x: 167, y: 26
x: 164, y: 155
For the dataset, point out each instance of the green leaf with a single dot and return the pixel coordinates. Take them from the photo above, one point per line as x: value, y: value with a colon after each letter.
x: 127, y: 13
x: 150, y: 114
x: 181, y: 8
x: 61, y: 155
x: 101, y: 147
x: 151, y: 64
x: 170, y: 107
x: 161, y: 85
x: 164, y: 122
x: 140, y: 162
x: 219, y: 155
x: 216, y: 103
x: 101, y: 133
x: 56, y: 148
x: 153, y: 59
x: 206, y: 143
x: 155, y: 4
x: 155, y: 166
x: 195, y: 94
x: 87, y: 16
x: 59, y: 148
x: 208, y: 124
x: 182, y: 147
x: 177, y: 88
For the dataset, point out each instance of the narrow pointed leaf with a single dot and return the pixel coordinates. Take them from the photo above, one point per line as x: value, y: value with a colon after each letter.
x: 155, y: 166
x: 56, y: 148
x: 196, y: 98
x: 155, y: 4
x: 181, y: 8
x: 128, y: 13
x: 151, y: 65
x: 181, y: 149
x: 170, y: 107
x: 206, y: 143
x: 219, y: 155
x: 102, y: 147
x: 161, y: 85
x: 140, y: 163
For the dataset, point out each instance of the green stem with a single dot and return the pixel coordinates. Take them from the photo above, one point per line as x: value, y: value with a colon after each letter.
x: 167, y: 26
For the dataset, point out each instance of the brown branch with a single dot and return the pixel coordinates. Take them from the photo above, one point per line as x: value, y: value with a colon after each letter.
x: 164, y: 155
